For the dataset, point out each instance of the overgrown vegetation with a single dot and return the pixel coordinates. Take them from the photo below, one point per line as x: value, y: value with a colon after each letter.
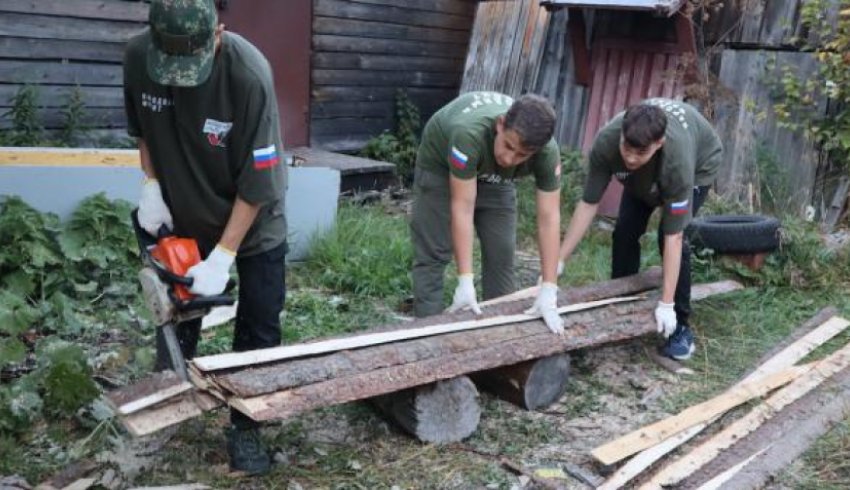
x: 26, y: 128
x: 399, y: 146
x: 799, y: 100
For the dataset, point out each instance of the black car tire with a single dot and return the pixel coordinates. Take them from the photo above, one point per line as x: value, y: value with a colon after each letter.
x: 741, y: 234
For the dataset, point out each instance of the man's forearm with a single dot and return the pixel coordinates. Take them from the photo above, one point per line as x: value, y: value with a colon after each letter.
x: 242, y: 216
x: 462, y: 237
x: 579, y: 223
x: 671, y: 264
x: 548, y: 233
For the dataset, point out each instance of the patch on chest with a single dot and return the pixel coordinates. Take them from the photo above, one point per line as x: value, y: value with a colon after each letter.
x: 217, y: 132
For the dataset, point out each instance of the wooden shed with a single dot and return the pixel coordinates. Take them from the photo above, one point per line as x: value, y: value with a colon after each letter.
x: 338, y: 63
x: 594, y: 58
x: 591, y: 59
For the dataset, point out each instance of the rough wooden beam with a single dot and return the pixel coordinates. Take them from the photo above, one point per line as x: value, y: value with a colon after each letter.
x: 790, y: 433
x: 274, y: 354
x: 267, y: 379
x: 656, y: 433
x: 708, y: 450
x: 152, y: 388
x: 808, y: 336
x: 175, y: 411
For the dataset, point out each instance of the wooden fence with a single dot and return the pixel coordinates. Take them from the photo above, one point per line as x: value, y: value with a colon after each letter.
x: 364, y: 51
x: 63, y: 46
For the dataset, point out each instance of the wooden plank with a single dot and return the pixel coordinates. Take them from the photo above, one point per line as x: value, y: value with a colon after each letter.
x: 459, y: 7
x: 346, y: 164
x: 820, y: 328
x: 45, y: 27
x: 791, y: 432
x: 718, y: 481
x: 348, y: 44
x: 376, y: 382
x: 351, y: 61
x: 395, y: 79
x: 376, y: 93
x: 236, y: 359
x: 154, y: 398
x: 147, y: 386
x: 653, y: 434
x: 708, y: 450
x: 41, y: 72
x: 361, y: 28
x: 157, y: 418
x: 351, y: 142
x: 83, y: 157
x: 87, y: 9
x: 57, y: 96
x: 394, y: 14
x: 93, y: 117
x: 55, y: 49
x: 344, y: 125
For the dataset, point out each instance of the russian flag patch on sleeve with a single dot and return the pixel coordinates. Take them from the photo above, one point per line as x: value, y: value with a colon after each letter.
x: 680, y: 207
x: 265, y: 157
x: 458, y: 158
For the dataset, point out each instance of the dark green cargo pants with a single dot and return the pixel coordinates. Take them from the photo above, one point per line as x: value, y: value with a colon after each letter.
x: 430, y: 227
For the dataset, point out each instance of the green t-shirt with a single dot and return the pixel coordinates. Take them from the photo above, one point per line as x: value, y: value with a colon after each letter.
x: 212, y: 143
x: 690, y: 157
x: 459, y: 139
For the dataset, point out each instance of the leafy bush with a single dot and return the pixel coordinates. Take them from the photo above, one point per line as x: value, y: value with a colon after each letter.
x: 26, y: 126
x: 400, y: 146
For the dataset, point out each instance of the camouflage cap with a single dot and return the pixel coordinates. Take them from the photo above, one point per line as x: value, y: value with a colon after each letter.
x: 182, y: 41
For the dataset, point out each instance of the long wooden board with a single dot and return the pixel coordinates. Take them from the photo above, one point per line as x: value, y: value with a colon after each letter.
x: 708, y: 450
x: 824, y: 330
x: 656, y: 433
x: 230, y: 360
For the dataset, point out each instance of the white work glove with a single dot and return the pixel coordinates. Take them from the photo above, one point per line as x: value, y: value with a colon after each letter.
x: 465, y: 295
x: 665, y: 318
x: 153, y: 213
x: 546, y: 305
x: 211, y: 275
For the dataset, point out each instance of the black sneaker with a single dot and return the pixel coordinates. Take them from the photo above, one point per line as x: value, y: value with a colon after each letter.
x: 680, y: 345
x: 247, y: 452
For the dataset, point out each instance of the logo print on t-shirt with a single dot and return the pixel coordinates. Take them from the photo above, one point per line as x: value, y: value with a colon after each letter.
x: 217, y: 131
x: 621, y: 176
x: 155, y: 103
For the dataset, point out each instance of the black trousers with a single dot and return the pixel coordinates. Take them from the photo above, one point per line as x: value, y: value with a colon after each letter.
x: 262, y: 293
x: 625, y: 253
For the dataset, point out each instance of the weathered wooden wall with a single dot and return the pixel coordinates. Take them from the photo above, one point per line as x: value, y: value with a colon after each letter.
x: 749, y: 43
x: 364, y: 51
x: 519, y: 47
x: 61, y: 45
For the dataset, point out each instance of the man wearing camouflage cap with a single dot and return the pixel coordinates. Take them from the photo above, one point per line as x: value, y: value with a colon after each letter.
x: 201, y: 103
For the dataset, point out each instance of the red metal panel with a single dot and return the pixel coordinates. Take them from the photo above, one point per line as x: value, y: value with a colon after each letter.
x: 625, y: 72
x: 282, y: 31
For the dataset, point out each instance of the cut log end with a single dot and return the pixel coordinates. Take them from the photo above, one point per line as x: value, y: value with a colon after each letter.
x: 441, y: 412
x: 531, y: 385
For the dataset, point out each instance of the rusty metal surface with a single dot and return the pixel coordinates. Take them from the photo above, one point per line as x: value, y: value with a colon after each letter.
x: 282, y: 31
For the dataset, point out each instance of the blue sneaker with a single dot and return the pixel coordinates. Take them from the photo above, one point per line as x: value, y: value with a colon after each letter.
x: 680, y: 345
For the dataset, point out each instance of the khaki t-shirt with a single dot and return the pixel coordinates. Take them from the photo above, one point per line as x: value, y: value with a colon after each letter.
x: 459, y: 139
x: 212, y: 143
x: 691, y: 156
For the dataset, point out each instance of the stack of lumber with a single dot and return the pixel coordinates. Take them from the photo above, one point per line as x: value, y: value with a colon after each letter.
x: 281, y: 382
x: 806, y: 400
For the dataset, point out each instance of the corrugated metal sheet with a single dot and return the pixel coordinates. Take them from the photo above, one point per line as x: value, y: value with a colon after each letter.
x: 665, y: 7
x: 624, y: 73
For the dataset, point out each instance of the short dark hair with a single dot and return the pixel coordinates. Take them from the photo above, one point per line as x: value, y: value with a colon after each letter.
x: 533, y: 118
x: 644, y: 124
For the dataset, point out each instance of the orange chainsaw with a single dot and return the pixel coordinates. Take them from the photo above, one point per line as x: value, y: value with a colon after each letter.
x: 165, y: 287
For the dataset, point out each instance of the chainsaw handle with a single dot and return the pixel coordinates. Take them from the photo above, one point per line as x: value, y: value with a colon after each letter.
x: 201, y: 302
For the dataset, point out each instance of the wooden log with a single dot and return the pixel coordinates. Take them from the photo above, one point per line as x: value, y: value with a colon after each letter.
x: 347, y: 363
x: 708, y: 450
x: 237, y: 359
x: 808, y: 336
x: 441, y: 412
x: 789, y: 434
x: 531, y: 385
x: 656, y: 433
